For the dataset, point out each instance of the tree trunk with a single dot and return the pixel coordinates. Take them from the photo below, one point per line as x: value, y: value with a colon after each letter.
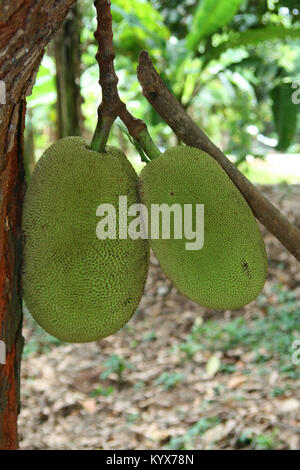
x: 68, y: 57
x: 26, y: 26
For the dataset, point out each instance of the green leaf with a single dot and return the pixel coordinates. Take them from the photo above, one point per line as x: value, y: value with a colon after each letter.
x: 210, y: 15
x: 252, y: 36
x: 139, y: 148
x: 139, y: 25
x: 284, y: 113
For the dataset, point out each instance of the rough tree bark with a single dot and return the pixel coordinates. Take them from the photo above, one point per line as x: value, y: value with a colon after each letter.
x: 111, y: 105
x: 68, y: 57
x: 26, y: 26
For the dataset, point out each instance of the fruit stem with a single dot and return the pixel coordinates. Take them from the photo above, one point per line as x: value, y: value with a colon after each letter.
x: 147, y: 144
x: 112, y: 106
x: 101, y: 133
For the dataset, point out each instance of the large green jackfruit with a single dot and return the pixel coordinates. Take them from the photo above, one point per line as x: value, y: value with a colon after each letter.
x: 230, y: 269
x: 78, y: 287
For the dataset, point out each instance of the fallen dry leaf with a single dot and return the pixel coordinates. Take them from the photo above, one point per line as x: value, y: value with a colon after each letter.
x: 288, y: 405
x: 218, y: 432
x: 236, y: 381
x: 89, y: 405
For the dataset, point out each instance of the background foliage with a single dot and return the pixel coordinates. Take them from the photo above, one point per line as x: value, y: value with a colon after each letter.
x: 230, y: 63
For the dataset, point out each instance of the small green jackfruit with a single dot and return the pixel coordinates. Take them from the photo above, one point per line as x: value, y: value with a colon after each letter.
x: 78, y: 287
x: 229, y: 271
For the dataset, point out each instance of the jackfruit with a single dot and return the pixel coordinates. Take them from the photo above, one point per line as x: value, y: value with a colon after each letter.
x: 229, y: 270
x: 78, y: 287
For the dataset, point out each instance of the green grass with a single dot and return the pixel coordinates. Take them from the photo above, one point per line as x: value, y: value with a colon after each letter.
x: 270, y: 336
x: 186, y: 441
x: 266, y: 441
x: 102, y: 391
x: 115, y: 365
x: 169, y: 380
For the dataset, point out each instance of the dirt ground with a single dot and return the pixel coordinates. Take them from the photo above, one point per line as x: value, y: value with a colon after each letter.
x: 178, y: 376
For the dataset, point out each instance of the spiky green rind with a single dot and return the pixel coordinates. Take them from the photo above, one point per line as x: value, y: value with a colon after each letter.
x: 230, y: 270
x: 77, y: 287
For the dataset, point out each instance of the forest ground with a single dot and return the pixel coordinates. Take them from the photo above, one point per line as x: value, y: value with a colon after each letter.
x: 178, y: 376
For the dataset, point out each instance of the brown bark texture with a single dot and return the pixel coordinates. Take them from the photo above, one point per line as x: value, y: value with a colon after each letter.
x: 26, y: 26
x: 111, y: 106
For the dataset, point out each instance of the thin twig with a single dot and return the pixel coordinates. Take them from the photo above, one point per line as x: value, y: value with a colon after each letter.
x: 111, y: 106
x: 165, y: 103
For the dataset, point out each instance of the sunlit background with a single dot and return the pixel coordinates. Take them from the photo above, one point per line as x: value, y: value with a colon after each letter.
x: 234, y: 80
